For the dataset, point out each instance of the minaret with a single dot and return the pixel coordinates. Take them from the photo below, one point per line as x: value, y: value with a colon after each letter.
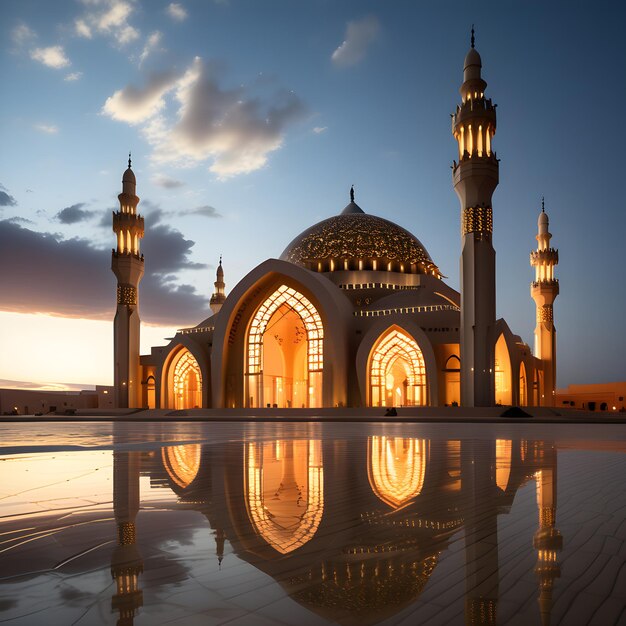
x: 547, y: 540
x: 127, y: 265
x: 544, y: 290
x: 218, y: 297
x: 475, y: 178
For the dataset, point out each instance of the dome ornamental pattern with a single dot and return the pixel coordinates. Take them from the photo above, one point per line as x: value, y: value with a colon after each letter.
x: 357, y: 241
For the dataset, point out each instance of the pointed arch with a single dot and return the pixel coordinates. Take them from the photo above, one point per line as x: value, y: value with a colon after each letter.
x: 502, y: 369
x: 523, y: 385
x: 182, y: 463
x: 396, y: 371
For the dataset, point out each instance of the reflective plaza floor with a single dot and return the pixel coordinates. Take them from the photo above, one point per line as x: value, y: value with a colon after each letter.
x: 345, y: 523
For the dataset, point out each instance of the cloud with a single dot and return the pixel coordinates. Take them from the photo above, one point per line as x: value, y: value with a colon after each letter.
x: 48, y: 129
x: 110, y: 18
x: 161, y: 180
x: 78, y: 282
x: 22, y: 35
x: 318, y: 130
x: 359, y: 35
x: 53, y: 57
x: 5, y: 198
x: 73, y: 76
x: 152, y: 44
x: 134, y: 105
x: 205, y: 211
x: 17, y: 219
x: 82, y: 29
x: 177, y: 12
x: 73, y: 214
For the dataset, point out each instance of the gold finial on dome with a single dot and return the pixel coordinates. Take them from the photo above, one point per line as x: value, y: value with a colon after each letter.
x: 352, y: 193
x: 472, y: 38
x: 129, y: 159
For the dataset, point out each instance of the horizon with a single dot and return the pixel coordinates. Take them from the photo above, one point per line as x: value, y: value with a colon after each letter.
x: 350, y: 94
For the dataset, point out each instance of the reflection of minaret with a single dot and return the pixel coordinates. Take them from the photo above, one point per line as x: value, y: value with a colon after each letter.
x: 481, y: 532
x: 544, y: 290
x: 220, y: 536
x: 126, y: 562
x: 475, y: 178
x: 128, y: 266
x: 218, y: 297
x: 548, y: 540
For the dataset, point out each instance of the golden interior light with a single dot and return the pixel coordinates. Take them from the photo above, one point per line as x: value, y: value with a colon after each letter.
x: 187, y: 385
x: 396, y: 361
x: 284, y: 491
x: 396, y: 468
x: 182, y: 463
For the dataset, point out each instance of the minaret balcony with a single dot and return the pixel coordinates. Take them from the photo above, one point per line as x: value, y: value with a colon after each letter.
x: 128, y: 220
x: 549, y: 256
x: 479, y: 108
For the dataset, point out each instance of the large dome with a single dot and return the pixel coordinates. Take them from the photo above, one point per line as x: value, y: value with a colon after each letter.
x: 357, y: 241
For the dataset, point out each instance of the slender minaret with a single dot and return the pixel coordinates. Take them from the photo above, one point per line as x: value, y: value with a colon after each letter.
x: 218, y: 297
x: 127, y: 265
x: 475, y: 178
x: 544, y: 290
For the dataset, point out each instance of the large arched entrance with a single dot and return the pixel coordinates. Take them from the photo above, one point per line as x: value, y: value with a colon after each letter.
x: 396, y: 468
x: 284, y: 353
x: 396, y: 371
x: 503, y: 373
x: 284, y: 491
x: 184, y: 381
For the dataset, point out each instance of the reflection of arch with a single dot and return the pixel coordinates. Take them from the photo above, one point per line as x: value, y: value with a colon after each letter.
x: 523, y: 397
x: 182, y: 463
x: 503, y: 462
x: 396, y: 371
x: 503, y: 372
x: 284, y: 491
x: 274, y: 373
x: 396, y: 468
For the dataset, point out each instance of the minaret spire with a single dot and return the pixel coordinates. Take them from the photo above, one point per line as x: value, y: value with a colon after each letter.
x: 219, y: 295
x: 544, y: 290
x: 475, y: 178
x: 128, y: 266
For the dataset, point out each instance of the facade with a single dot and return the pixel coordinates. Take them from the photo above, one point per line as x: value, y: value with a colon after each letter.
x: 354, y: 312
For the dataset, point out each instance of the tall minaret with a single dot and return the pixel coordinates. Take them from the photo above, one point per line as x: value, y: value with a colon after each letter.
x: 475, y: 178
x: 127, y: 265
x: 218, y: 297
x: 544, y: 290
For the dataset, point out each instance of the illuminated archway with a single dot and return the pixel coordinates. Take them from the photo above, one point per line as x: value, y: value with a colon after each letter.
x: 185, y: 381
x: 182, y: 463
x: 151, y: 392
x: 452, y: 373
x: 523, y: 397
x: 397, y: 374
x: 396, y: 468
x: 284, y: 491
x: 503, y: 462
x: 285, y: 352
x: 503, y: 373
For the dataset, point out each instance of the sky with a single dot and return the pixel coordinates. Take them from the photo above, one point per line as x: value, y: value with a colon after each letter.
x: 248, y: 121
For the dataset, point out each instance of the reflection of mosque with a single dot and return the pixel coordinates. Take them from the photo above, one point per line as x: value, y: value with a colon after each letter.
x: 351, y: 529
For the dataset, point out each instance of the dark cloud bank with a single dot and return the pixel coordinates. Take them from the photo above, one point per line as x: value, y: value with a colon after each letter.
x: 44, y: 273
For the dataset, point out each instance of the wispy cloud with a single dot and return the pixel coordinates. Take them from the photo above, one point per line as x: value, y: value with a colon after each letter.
x: 161, y: 180
x: 6, y: 199
x: 359, y: 35
x: 177, y: 11
x: 22, y: 35
x: 53, y: 56
x: 73, y: 214
x: 70, y: 78
x: 204, y: 211
x: 109, y: 18
x: 152, y: 44
x: 318, y: 130
x: 48, y: 129
x: 231, y: 128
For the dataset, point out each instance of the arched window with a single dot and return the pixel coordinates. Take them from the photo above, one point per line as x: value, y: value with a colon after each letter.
x: 502, y: 372
x: 151, y: 392
x: 397, y: 373
x: 186, y: 381
x: 285, y: 359
x: 523, y: 398
x: 452, y: 376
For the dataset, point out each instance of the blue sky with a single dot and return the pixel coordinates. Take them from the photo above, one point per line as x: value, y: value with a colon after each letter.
x: 248, y: 121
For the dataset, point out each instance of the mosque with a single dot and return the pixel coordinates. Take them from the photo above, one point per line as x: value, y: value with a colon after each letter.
x: 354, y: 312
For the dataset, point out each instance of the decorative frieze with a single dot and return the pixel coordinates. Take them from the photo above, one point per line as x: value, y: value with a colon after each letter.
x: 545, y: 313
x: 477, y: 220
x: 127, y: 295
